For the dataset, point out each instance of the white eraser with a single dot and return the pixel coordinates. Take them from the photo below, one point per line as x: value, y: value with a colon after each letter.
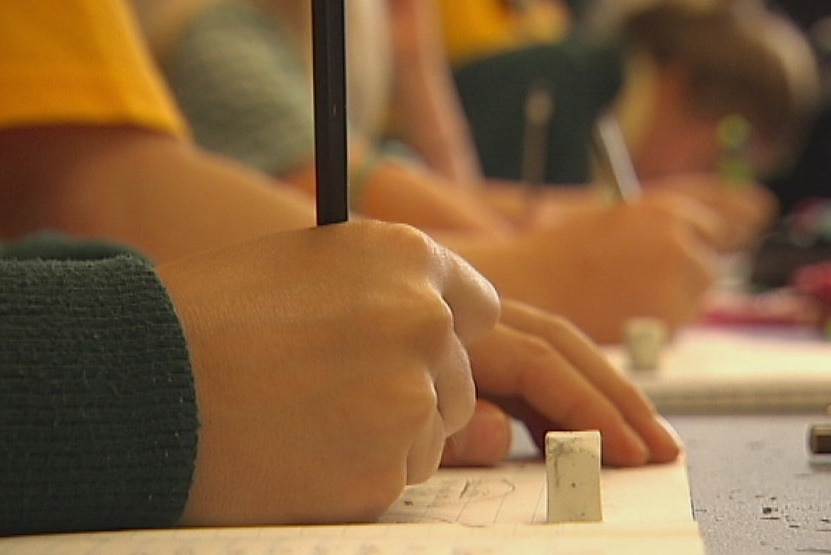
x: 572, y: 463
x: 645, y: 339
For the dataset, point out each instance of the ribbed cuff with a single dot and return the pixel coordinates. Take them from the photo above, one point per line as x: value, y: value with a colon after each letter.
x: 98, y: 418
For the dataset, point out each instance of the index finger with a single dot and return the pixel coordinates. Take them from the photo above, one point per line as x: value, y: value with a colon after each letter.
x: 621, y: 393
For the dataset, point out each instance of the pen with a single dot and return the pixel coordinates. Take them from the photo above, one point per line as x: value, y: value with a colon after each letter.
x: 329, y: 61
x: 538, y: 111
x: 613, y: 158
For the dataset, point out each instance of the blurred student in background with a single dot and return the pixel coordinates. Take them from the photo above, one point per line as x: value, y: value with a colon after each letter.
x: 240, y: 71
x: 498, y: 52
x: 676, y: 73
x: 673, y: 70
x: 691, y: 66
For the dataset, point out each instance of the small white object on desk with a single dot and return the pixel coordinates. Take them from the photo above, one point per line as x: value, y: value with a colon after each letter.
x: 645, y: 339
x: 572, y: 463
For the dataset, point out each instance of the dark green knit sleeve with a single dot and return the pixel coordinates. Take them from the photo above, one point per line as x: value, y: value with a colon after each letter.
x: 98, y: 422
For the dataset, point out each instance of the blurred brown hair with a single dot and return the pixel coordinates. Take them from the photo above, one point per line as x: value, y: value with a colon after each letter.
x: 737, y: 58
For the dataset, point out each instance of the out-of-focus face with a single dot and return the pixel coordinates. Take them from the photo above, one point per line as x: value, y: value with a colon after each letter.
x: 675, y: 138
x: 683, y: 145
x: 692, y: 144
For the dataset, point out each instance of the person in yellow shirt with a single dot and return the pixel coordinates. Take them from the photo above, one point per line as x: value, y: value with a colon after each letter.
x: 474, y: 29
x: 256, y: 294
x: 646, y: 61
x: 101, y: 81
x: 501, y: 50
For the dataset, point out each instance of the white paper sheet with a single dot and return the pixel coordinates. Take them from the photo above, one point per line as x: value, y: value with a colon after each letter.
x: 733, y: 370
x: 459, y: 511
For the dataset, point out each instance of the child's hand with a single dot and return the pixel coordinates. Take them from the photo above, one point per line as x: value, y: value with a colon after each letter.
x: 330, y: 367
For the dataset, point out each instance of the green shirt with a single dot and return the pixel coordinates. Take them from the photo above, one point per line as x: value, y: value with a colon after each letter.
x: 98, y: 419
x: 243, y: 87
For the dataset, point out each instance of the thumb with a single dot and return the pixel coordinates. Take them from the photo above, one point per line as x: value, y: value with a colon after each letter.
x: 485, y: 440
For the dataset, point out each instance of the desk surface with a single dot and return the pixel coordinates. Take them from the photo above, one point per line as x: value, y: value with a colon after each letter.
x: 755, y: 489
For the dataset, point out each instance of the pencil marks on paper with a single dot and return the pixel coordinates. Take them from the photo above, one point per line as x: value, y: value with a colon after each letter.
x: 472, y: 500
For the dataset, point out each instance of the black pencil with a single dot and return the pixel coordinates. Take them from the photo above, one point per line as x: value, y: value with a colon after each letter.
x: 612, y: 155
x: 329, y: 53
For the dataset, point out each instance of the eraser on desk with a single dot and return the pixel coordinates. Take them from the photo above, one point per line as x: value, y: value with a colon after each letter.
x: 819, y: 439
x: 644, y: 339
x: 572, y: 464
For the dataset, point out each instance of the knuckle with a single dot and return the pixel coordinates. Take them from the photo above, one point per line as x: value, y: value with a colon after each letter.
x: 414, y: 394
x: 537, y: 350
x: 535, y: 358
x: 409, y: 240
x: 559, y: 327
x: 431, y: 319
x: 424, y: 402
x: 400, y: 242
x: 381, y: 491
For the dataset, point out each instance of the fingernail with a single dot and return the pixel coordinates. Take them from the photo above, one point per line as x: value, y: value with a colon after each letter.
x: 674, y: 444
x: 496, y: 426
x: 635, y: 446
x: 486, y: 439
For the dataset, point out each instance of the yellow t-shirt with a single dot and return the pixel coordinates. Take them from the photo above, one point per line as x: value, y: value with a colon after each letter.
x: 476, y: 28
x: 78, y: 61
